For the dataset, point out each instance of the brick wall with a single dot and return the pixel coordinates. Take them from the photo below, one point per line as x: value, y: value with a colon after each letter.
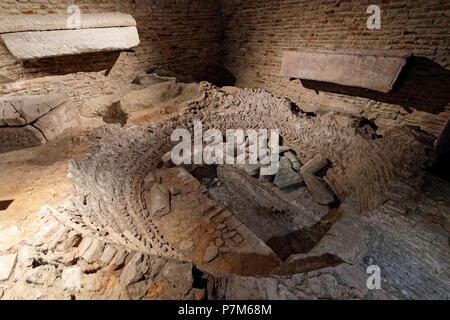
x: 248, y: 38
x: 258, y: 31
x: 181, y: 36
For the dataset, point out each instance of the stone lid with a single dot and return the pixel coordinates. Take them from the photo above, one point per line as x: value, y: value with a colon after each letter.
x: 23, y: 23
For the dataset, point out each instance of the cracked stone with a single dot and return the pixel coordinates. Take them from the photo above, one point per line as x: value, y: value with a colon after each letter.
x: 94, y: 252
x: 108, y: 255
x: 211, y: 253
x: 7, y: 263
x: 133, y: 271
x: 160, y: 200
x: 287, y: 178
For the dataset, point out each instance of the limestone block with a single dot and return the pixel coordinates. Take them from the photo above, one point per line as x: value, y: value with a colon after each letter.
x: 358, y: 70
x: 46, y: 44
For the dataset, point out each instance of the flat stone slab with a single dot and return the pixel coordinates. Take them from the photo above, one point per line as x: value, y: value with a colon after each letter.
x: 46, y: 44
x: 7, y: 264
x: 22, y: 23
x: 359, y: 70
x: 318, y: 190
x: 21, y: 110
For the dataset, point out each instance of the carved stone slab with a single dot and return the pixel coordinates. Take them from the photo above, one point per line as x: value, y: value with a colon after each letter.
x: 359, y: 70
x: 23, y: 23
x: 45, y: 44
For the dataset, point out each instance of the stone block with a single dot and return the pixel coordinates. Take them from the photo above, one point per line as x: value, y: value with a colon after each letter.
x: 359, y: 70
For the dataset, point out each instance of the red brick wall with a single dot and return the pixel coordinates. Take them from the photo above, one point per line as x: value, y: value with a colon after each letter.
x: 176, y: 35
x: 258, y: 31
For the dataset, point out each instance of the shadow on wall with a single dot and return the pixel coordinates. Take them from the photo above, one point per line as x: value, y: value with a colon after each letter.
x: 422, y: 85
x: 90, y: 62
x: 219, y: 76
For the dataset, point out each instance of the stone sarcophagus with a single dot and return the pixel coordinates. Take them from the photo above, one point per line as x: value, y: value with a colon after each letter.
x: 365, y: 70
x: 37, y: 36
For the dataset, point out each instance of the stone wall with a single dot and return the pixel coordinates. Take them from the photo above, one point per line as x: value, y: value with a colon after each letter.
x: 176, y: 35
x: 258, y: 31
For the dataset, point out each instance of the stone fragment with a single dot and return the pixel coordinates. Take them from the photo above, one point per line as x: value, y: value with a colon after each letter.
x: 119, y: 258
x: 160, y: 200
x: 84, y: 246
x: 108, y: 255
x: 315, y: 164
x: 21, y: 110
x: 211, y: 253
x: 17, y: 138
x: 286, y: 178
x: 358, y: 70
x: 230, y: 243
x: 73, y: 238
x: 7, y: 264
x: 27, y: 255
x: 221, y: 226
x: 232, y: 223
x: 133, y: 271
x: 57, y: 121
x: 46, y: 44
x: 175, y: 191
x: 229, y: 235
x: 318, y: 190
x: 295, y: 162
x: 94, y: 252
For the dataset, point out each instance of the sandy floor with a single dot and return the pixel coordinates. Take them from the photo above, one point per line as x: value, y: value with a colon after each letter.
x: 32, y: 178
